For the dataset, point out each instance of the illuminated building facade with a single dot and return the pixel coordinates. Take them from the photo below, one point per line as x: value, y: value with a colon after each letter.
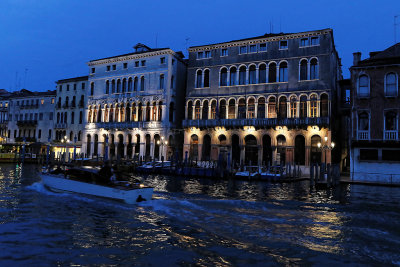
x: 133, y: 104
x: 261, y: 100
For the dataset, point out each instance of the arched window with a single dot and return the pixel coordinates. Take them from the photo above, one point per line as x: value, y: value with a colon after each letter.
x: 107, y: 87
x: 190, y: 110
x: 232, y: 76
x: 161, y: 81
x: 72, y: 117
x: 130, y: 85
x: 58, y: 117
x: 89, y: 119
x: 262, y: 73
x: 252, y: 75
x: 261, y: 108
x: 324, y: 111
x: 154, y: 112
x: 242, y: 108
x: 293, y: 107
x: 148, y: 111
x: 303, y: 70
x: 242, y: 75
x: 113, y: 86
x: 124, y: 85
x: 213, y: 109
x: 313, y: 106
x: 199, y: 77
x: 303, y: 106
x: 140, y: 112
x: 66, y: 101
x: 314, y: 71
x: 171, y: 111
x: 282, y: 107
x: 223, y: 77
x: 172, y: 81
x: 133, y: 112
x: 222, y: 109
x: 251, y: 107
x: 272, y: 72
x: 142, y: 83
x: 283, y: 72
x: 92, y: 89
x: 231, y: 109
x: 206, y: 78
x: 135, y: 84
x: 73, y: 103
x: 391, y: 84
x: 197, y: 110
x: 204, y: 114
x: 272, y: 107
x: 118, y: 86
x: 363, y: 86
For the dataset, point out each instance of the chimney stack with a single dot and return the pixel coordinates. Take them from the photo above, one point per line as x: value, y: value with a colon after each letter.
x: 356, y: 58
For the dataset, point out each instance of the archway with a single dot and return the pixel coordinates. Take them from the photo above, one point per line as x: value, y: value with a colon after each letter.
x: 251, y: 150
x: 96, y: 145
x: 120, y: 146
x: 194, y: 146
x: 281, y: 149
x: 315, y: 153
x: 129, y: 149
x: 157, y: 147
x: 267, y: 150
x: 112, y: 146
x: 300, y: 150
x: 88, y: 145
x: 206, y: 153
x: 147, y: 151
x: 235, y: 150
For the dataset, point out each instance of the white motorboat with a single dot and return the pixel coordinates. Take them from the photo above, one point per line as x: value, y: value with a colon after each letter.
x: 249, y: 171
x: 122, y: 190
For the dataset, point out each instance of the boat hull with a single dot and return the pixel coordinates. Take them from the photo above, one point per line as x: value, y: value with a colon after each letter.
x: 130, y: 196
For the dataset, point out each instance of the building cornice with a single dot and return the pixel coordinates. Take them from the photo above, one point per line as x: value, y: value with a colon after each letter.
x: 133, y: 56
x: 257, y: 40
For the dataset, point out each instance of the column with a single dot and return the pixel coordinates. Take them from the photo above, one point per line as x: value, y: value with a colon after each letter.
x: 256, y: 108
x: 209, y: 110
x: 163, y: 111
x: 201, y: 112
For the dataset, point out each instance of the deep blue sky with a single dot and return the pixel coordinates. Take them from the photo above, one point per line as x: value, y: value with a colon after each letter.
x: 54, y: 39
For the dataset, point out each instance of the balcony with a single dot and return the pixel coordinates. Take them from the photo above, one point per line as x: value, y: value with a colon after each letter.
x: 363, y: 135
x: 129, y: 125
x: 390, y: 135
x: 265, y: 122
x: 26, y: 123
x: 60, y: 125
x: 27, y: 139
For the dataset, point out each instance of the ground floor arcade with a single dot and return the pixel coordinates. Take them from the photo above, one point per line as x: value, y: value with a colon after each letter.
x: 258, y: 147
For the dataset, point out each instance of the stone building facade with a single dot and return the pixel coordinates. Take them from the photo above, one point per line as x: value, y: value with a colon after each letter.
x: 135, y: 103
x: 31, y: 116
x: 375, y: 146
x: 69, y: 113
x: 262, y: 100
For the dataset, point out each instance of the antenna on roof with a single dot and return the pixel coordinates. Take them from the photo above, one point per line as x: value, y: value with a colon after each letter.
x: 395, y: 25
x: 26, y: 72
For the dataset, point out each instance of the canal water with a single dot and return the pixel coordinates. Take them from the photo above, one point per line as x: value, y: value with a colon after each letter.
x: 198, y: 222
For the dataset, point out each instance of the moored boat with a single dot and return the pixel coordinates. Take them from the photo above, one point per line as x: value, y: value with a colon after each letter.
x: 84, y: 182
x: 249, y: 171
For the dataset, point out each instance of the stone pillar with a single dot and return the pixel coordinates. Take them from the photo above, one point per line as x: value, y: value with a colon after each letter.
x: 256, y: 108
x: 209, y: 110
x: 236, y: 110
x: 163, y: 111
x: 137, y: 113
x: 201, y: 112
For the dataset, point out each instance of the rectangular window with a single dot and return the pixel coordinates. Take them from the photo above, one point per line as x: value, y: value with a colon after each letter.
x: 136, y: 64
x: 51, y: 116
x: 283, y: 45
x: 162, y: 60
x: 67, y: 87
x: 108, y: 68
x: 41, y: 116
x: 200, y: 55
x: 368, y: 154
x: 207, y: 54
x: 60, y: 87
x: 83, y: 86
x: 125, y: 65
x: 253, y: 48
x: 262, y: 48
x: 42, y: 101
x: 74, y: 86
x: 173, y: 61
x: 40, y: 134
x: 243, y: 50
x: 224, y: 52
x: 391, y: 155
x: 303, y: 42
x: 114, y: 67
x: 314, y: 41
x: 143, y: 63
x: 93, y: 70
x: 52, y: 100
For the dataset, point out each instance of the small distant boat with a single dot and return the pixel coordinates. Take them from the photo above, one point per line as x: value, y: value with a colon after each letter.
x: 273, y: 173
x: 82, y: 181
x: 249, y: 171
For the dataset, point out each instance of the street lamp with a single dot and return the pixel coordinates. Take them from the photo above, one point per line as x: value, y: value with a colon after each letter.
x: 162, y: 143
x: 65, y: 141
x: 325, y: 148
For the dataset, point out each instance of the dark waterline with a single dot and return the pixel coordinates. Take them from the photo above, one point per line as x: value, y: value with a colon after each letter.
x: 198, y: 222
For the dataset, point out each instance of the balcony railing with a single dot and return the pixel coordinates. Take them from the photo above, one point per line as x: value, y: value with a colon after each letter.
x: 60, y: 125
x: 129, y: 124
x: 268, y: 122
x: 363, y: 135
x: 27, y: 139
x: 390, y: 135
x: 27, y: 123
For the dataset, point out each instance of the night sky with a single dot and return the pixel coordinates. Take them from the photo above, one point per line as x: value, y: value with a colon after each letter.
x: 46, y: 40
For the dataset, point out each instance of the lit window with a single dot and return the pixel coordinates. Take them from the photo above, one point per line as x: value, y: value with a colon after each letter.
x: 314, y: 41
x: 243, y: 49
x: 42, y: 101
x: 52, y: 100
x: 262, y: 48
x: 224, y: 52
x: 313, y: 106
x: 283, y: 45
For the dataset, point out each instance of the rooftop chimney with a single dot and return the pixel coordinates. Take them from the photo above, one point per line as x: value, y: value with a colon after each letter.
x: 356, y: 58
